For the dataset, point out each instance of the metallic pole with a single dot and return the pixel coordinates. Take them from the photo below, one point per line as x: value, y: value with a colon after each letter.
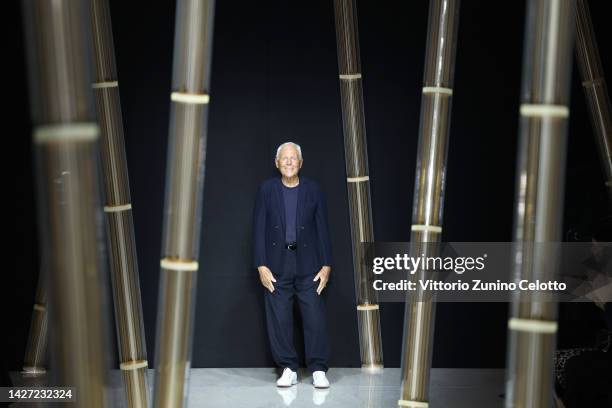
x: 544, y: 112
x: 428, y: 205
x: 184, y: 188
x: 358, y: 181
x: 117, y: 208
x: 595, y: 88
x: 34, y: 361
x: 65, y: 138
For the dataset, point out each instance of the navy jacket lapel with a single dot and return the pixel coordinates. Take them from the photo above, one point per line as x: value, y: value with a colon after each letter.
x: 280, y: 202
x: 300, y: 203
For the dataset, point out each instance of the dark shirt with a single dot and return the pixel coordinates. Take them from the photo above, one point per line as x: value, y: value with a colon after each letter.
x: 290, y: 197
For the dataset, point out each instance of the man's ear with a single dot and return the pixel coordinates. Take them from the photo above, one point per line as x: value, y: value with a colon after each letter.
x: 276, y: 164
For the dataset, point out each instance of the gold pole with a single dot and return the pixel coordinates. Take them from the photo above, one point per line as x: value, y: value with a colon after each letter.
x: 595, y: 88
x: 65, y: 138
x: 544, y: 110
x: 358, y: 181
x: 34, y: 361
x: 184, y: 187
x: 118, y: 211
x: 426, y: 230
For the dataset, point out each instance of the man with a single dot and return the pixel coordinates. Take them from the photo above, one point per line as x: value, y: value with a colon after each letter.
x: 292, y: 253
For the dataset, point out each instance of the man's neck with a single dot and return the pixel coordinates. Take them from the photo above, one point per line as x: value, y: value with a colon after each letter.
x: 290, y: 181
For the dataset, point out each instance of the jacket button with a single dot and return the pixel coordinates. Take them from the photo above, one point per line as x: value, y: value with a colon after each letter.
x: 304, y: 245
x: 274, y: 243
x: 276, y: 226
x: 302, y: 227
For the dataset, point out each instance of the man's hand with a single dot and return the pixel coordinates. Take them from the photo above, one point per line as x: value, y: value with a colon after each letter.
x: 323, y: 277
x: 266, y: 277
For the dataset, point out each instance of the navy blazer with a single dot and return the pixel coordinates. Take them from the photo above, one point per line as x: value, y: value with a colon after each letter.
x: 314, y: 247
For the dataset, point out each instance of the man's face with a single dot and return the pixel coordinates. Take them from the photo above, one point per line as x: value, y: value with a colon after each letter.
x: 288, y: 162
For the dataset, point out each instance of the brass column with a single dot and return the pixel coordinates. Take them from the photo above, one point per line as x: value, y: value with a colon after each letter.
x: 118, y: 211
x: 595, y: 88
x: 544, y: 111
x: 184, y: 188
x: 36, y: 348
x: 65, y: 137
x: 426, y: 230
x: 358, y: 181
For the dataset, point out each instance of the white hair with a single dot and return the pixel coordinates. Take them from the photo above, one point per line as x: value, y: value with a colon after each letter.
x: 297, y: 147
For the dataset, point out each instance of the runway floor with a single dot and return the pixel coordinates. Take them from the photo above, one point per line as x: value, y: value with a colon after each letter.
x: 350, y: 387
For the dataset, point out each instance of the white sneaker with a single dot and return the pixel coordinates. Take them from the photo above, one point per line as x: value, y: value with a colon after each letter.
x: 319, y: 380
x: 288, y: 378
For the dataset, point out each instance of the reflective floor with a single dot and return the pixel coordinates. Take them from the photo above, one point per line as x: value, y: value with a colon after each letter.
x: 255, y: 387
x: 350, y: 387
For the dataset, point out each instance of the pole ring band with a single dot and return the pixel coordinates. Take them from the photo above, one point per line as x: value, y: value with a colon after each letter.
x: 179, y: 265
x: 593, y: 82
x: 357, y: 179
x: 544, y: 110
x: 427, y: 228
x: 183, y: 97
x: 39, y: 307
x: 413, y: 404
x: 107, y: 84
x: 133, y: 365
x: 350, y: 76
x: 367, y: 307
x: 66, y: 132
x: 117, y: 208
x: 532, y: 325
x: 437, y: 90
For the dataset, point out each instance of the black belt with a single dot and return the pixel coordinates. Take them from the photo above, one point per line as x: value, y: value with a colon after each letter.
x: 292, y: 246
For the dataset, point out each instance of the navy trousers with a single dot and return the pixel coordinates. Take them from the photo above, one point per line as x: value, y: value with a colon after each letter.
x: 279, y: 317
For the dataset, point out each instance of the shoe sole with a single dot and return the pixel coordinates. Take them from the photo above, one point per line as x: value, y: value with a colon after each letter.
x: 320, y: 388
x: 286, y: 386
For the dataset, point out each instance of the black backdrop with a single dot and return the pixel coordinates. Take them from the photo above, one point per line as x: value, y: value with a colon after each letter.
x: 274, y: 79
